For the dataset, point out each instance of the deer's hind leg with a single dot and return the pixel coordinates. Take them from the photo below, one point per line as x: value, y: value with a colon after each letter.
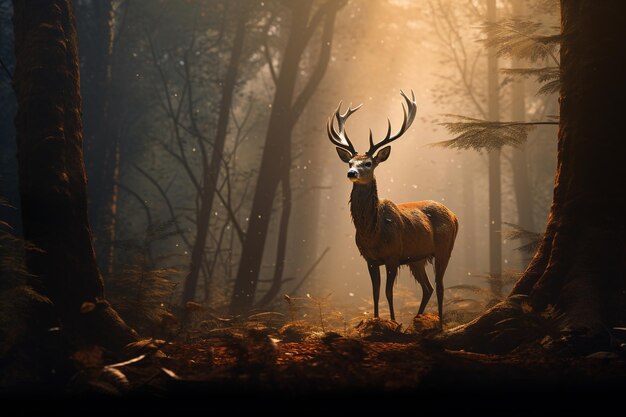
x: 418, y: 270
x: 392, y: 272
x: 374, y: 271
x: 440, y: 269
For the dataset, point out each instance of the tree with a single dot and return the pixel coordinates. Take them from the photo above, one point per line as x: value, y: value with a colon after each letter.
x: 495, y: 187
x: 519, y: 159
x: 8, y: 164
x: 575, y: 281
x: 211, y: 170
x: 51, y: 172
x: 276, y: 159
x: 97, y: 40
x: 521, y: 40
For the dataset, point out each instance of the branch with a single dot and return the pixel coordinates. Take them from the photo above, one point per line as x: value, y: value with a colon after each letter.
x: 310, y: 271
x: 141, y: 201
x: 266, y: 49
x: 184, y: 164
x: 330, y: 7
x: 167, y: 202
x: 240, y: 233
x: 6, y: 69
x: 319, y: 71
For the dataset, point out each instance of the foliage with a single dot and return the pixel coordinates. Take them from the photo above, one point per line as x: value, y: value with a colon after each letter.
x: 523, y: 39
x: 533, y: 41
x: 19, y: 300
x: 481, y: 135
x: 12, y: 254
x: 139, y: 289
x: 549, y: 77
x: 531, y: 240
x: 462, y: 307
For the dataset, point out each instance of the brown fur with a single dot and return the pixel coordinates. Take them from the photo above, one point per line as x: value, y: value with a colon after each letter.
x: 394, y: 234
x: 402, y: 234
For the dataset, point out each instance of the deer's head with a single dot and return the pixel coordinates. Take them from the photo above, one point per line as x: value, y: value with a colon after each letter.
x: 361, y: 166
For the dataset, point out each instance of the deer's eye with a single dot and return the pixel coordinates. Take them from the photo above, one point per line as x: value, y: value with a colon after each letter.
x: 368, y: 164
x: 350, y: 164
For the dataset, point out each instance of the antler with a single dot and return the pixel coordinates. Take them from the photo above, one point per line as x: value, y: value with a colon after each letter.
x: 340, y: 138
x: 408, y: 120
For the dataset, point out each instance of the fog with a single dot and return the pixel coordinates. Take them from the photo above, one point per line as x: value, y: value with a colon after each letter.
x: 151, y: 115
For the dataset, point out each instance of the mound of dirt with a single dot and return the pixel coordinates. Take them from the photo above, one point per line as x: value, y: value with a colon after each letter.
x: 298, y: 331
x: 377, y: 329
x: 425, y: 324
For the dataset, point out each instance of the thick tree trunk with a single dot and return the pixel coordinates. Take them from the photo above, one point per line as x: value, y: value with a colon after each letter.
x: 51, y: 171
x: 211, y: 172
x: 577, y: 277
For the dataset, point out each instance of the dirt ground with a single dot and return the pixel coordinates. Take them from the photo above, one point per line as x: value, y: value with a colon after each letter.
x: 298, y: 372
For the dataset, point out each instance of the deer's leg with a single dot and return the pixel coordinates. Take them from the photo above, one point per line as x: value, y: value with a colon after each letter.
x: 392, y: 271
x: 419, y: 273
x: 440, y: 269
x: 374, y: 271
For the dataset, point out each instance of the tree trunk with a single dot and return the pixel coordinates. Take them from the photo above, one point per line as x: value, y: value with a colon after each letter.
x: 469, y: 202
x: 577, y: 277
x: 276, y: 154
x: 521, y: 180
x: 51, y: 171
x: 211, y: 172
x: 281, y: 245
x: 276, y: 157
x: 101, y: 140
x: 495, y: 188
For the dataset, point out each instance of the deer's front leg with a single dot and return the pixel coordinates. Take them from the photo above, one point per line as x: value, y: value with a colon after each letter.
x: 374, y: 271
x: 392, y: 271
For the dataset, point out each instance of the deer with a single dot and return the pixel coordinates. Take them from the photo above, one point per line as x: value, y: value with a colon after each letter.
x: 390, y: 234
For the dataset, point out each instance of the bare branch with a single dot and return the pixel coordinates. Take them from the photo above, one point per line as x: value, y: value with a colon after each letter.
x: 320, y: 68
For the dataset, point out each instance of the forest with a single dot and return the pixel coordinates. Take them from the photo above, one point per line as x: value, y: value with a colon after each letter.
x: 192, y: 222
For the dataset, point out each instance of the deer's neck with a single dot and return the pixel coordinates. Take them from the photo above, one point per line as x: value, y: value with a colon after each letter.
x: 364, y: 207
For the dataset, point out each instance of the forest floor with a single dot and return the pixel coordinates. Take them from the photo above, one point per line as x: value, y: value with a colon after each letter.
x: 380, y: 369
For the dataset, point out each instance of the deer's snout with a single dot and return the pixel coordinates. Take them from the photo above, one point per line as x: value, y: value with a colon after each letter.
x: 353, y: 173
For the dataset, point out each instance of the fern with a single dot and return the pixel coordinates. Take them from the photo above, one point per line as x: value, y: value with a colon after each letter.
x: 532, y: 239
x: 523, y: 39
x: 481, y: 135
x: 21, y: 305
x: 139, y: 289
x: 141, y: 294
x: 549, y: 7
x: 13, y: 252
x: 549, y: 77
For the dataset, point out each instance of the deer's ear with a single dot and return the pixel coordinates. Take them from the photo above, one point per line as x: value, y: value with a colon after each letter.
x: 383, y: 154
x: 344, y: 155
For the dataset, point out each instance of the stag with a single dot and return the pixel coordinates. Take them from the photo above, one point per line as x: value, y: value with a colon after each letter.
x: 394, y: 234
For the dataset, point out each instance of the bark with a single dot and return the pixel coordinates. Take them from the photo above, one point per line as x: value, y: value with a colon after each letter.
x: 276, y: 157
x: 101, y: 140
x: 579, y: 270
x: 51, y: 171
x: 469, y: 202
x: 211, y: 172
x: 495, y: 188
